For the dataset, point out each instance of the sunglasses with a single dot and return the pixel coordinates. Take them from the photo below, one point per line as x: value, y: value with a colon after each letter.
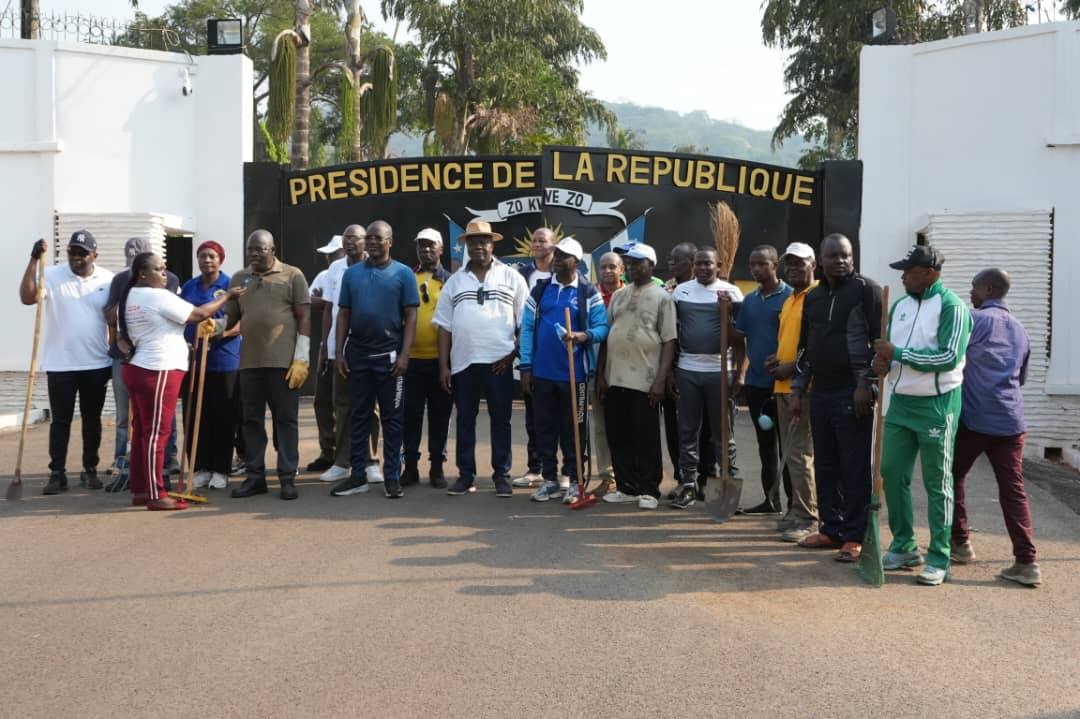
x: 480, y: 295
x: 424, y: 293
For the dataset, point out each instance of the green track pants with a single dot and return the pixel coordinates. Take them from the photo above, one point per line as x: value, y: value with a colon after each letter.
x: 925, y: 426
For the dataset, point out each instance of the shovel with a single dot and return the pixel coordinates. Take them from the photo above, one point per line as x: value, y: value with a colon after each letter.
x: 582, y: 500
x: 870, y: 558
x: 14, y: 490
x: 726, y: 498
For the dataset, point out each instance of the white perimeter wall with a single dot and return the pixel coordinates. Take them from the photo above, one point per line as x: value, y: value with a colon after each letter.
x: 979, y: 126
x: 98, y: 129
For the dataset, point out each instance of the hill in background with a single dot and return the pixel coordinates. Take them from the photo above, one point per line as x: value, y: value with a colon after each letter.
x: 664, y: 130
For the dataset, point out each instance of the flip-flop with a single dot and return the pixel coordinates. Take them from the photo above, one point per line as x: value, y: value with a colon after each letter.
x: 850, y: 552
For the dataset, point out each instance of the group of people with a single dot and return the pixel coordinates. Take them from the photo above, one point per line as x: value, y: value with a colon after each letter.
x: 634, y: 351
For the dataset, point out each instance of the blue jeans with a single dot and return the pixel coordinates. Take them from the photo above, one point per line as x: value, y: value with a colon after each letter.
x: 842, y: 447
x: 370, y: 381
x: 498, y: 389
x: 121, y: 400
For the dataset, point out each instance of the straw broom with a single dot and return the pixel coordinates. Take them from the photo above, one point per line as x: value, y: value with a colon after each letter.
x: 725, y: 231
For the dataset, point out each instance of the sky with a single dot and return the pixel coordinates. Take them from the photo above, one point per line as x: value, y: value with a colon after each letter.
x: 695, y: 55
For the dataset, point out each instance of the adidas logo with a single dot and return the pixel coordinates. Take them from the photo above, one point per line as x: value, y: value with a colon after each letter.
x: 934, y: 433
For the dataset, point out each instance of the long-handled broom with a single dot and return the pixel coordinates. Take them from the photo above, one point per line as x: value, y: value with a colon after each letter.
x: 583, y: 500
x: 726, y: 500
x: 14, y: 490
x: 870, y: 559
x: 189, y: 494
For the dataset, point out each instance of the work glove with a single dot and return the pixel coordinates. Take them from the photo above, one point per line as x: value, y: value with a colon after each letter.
x: 206, y: 329
x: 298, y: 370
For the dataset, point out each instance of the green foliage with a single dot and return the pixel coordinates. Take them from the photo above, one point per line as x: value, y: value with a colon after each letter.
x: 379, y: 105
x: 274, y: 152
x: 347, y: 114
x: 279, y: 116
x: 1071, y: 8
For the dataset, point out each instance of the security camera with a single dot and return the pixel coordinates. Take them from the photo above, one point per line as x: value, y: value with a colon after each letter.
x: 185, y: 86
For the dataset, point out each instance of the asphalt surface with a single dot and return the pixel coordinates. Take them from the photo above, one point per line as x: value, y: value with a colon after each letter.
x: 482, y: 607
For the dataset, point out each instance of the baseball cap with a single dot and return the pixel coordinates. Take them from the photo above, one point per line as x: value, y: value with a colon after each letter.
x: 571, y: 247
x: 920, y: 256
x: 137, y: 246
x: 429, y: 234
x: 332, y: 246
x: 83, y: 239
x: 637, y: 251
x: 798, y: 249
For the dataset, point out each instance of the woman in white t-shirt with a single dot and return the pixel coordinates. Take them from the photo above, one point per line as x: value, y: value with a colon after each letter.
x: 152, y: 323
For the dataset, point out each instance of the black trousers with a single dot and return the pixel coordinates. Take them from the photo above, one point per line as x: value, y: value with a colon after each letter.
x: 633, y: 428
x: 90, y: 385
x: 422, y: 389
x: 217, y: 428
x: 551, y: 402
x: 706, y: 453
x: 532, y: 446
x: 760, y: 400
x: 261, y: 387
x: 842, y: 465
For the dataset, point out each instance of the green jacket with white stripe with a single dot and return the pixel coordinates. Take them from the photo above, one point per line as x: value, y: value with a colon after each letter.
x: 930, y: 332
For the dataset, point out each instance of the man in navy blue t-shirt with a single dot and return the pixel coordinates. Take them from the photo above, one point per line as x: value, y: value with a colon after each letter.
x: 376, y: 324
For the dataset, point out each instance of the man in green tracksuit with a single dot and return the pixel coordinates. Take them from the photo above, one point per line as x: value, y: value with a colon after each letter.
x: 928, y: 336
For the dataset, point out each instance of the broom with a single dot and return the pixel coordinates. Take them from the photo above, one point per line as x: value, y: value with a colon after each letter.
x: 582, y: 500
x: 14, y: 490
x: 725, y: 231
x: 190, y: 495
x: 870, y: 558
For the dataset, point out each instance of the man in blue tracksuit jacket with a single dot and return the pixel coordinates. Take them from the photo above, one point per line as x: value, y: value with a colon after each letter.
x: 545, y: 368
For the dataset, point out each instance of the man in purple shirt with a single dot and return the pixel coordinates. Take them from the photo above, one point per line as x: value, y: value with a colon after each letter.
x: 992, y: 421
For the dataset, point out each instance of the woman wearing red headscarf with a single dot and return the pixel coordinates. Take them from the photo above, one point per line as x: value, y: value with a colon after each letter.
x: 217, y: 427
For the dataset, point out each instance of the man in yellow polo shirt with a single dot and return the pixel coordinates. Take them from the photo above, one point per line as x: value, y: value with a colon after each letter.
x: 802, y: 517
x: 422, y: 377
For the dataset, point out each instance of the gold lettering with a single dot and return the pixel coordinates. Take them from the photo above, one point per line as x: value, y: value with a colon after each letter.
x: 337, y: 185
x: 720, y: 180
x: 681, y: 181
x: 501, y: 175
x: 803, y: 184
x: 410, y: 178
x: 639, y: 170
x: 430, y: 177
x: 584, y: 168
x: 759, y: 189
x: 526, y: 174
x: 742, y: 180
x: 616, y: 166
x: 454, y: 184
x: 358, y: 180
x: 661, y: 166
x: 704, y: 175
x: 474, y: 176
x: 297, y: 187
x: 388, y: 178
x: 317, y: 186
x: 557, y: 173
x: 777, y: 195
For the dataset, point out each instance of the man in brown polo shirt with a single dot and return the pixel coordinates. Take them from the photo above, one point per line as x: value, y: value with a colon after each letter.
x: 273, y: 359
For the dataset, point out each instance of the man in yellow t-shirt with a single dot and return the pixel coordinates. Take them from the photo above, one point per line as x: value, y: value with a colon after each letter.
x: 802, y: 516
x: 422, y: 386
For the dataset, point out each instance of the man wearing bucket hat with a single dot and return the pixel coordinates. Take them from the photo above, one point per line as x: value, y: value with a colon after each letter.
x: 929, y: 328
x: 478, y: 315
x: 422, y: 378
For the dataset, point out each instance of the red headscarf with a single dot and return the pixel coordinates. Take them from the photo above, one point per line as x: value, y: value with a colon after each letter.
x: 211, y: 245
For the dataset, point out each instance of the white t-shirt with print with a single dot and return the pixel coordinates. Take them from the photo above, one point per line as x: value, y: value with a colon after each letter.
x: 155, y: 321
x: 76, y: 336
x: 331, y: 293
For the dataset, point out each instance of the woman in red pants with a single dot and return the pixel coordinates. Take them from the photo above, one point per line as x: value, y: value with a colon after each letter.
x: 152, y: 323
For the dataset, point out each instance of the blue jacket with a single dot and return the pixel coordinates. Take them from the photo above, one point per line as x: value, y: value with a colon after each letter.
x: 591, y: 315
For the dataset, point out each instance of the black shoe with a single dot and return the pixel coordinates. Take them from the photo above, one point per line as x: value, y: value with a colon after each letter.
x: 436, y: 476
x: 320, y: 465
x: 687, y: 497
x: 250, y: 488
x: 392, y: 489
x: 288, y: 489
x: 410, y: 475
x: 349, y: 485
x: 503, y: 488
x: 763, y: 508
x: 461, y: 486
x: 673, y: 494
x: 90, y: 480
x: 57, y: 483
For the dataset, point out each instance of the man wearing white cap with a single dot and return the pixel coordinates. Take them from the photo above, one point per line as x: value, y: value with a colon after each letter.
x: 422, y: 378
x: 324, y: 377
x: 545, y: 366
x: 798, y: 266
x: 632, y: 377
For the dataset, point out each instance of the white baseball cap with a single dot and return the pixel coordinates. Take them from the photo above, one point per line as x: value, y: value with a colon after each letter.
x: 638, y: 251
x: 332, y: 246
x: 429, y: 234
x: 799, y: 249
x: 571, y: 247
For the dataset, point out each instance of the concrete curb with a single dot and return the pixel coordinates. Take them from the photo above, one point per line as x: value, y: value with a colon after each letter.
x: 13, y: 421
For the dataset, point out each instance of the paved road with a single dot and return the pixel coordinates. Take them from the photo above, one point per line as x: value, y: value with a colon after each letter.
x: 483, y: 607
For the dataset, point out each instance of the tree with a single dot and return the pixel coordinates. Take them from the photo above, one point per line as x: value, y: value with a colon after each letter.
x: 822, y: 71
x: 619, y: 138
x: 499, y: 75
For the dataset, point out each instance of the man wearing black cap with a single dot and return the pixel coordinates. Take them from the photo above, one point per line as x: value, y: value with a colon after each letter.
x: 74, y: 351
x: 929, y: 328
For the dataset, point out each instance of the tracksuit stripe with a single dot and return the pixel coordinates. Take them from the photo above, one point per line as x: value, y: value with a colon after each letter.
x: 155, y: 426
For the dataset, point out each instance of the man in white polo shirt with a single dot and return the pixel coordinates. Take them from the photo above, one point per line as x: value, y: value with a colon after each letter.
x: 323, y: 403
x: 74, y: 351
x: 478, y: 314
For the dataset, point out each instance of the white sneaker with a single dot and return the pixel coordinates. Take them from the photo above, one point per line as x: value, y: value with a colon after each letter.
x: 932, y: 576
x: 618, y: 497
x: 334, y: 474
x: 527, y: 480
x: 647, y: 501
x: 564, y: 482
x: 218, y: 481
x: 373, y: 474
x: 201, y: 479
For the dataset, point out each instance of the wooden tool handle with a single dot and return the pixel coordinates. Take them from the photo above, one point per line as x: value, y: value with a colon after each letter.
x: 725, y: 430
x: 39, y: 312
x: 879, y: 413
x: 573, y: 405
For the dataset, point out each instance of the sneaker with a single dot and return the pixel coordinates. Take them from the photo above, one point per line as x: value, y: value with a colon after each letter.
x: 410, y: 474
x: 436, y: 476
x: 89, y: 479
x: 335, y: 474
x: 647, y: 501
x: 527, y: 480
x: 201, y: 479
x: 349, y: 485
x: 239, y: 468
x: 962, y: 553
x: 503, y: 487
x: 932, y: 576
x: 392, y: 489
x: 618, y: 497
x: 1027, y: 574
x: 57, y: 483
x: 547, y: 491
x: 794, y: 535
x: 687, y: 497
x: 571, y: 494
x: 564, y: 482
x: 320, y: 465
x: 605, y: 485
x: 761, y: 509
x: 373, y: 474
x: 461, y: 487
x: 172, y: 468
x: 218, y: 481
x: 901, y: 560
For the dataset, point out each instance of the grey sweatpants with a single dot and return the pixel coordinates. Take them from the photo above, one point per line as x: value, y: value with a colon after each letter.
x: 697, y: 390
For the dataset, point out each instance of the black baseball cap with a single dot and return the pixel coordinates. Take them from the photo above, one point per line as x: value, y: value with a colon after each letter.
x: 83, y: 239
x: 920, y: 256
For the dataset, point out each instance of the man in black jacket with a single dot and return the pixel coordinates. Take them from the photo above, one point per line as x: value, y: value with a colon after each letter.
x: 841, y: 319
